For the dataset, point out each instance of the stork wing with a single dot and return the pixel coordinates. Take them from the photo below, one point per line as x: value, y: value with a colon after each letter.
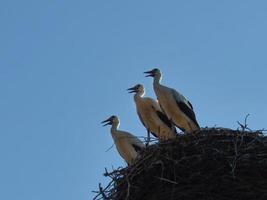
x: 137, y: 144
x: 185, y: 106
x: 164, y: 119
x: 190, y: 105
x: 137, y: 148
x: 162, y: 109
x: 140, y: 117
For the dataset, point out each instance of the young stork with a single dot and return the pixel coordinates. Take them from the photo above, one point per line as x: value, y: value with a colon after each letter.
x: 151, y: 115
x: 178, y: 109
x: 127, y: 144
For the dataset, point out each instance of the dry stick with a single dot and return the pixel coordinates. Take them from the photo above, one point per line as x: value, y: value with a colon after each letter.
x: 234, y: 162
x: 166, y: 180
x: 128, y: 188
x: 245, y: 125
x: 244, y: 128
x: 110, y: 147
x: 101, y: 192
x: 114, y: 172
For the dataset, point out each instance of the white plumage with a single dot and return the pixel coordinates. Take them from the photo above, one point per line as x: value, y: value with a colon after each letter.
x: 151, y: 115
x: 127, y: 144
x: 178, y: 109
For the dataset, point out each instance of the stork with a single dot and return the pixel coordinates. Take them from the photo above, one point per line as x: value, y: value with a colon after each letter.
x: 177, y: 108
x: 151, y: 115
x: 127, y: 144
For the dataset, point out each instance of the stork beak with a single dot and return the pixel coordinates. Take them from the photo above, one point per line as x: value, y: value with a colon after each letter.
x: 106, y: 122
x: 132, y: 90
x: 149, y: 73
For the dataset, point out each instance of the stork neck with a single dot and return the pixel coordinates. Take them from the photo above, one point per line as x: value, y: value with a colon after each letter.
x: 156, y: 83
x: 114, y: 127
x: 138, y: 95
x: 157, y: 80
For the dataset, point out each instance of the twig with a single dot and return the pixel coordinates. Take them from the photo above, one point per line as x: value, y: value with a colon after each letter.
x: 110, y: 147
x: 101, y: 192
x: 166, y: 180
x: 244, y: 126
x: 128, y: 188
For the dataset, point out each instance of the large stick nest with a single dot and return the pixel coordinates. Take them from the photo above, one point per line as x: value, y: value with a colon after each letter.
x: 215, y: 163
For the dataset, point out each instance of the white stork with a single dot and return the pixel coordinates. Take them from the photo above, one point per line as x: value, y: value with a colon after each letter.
x: 178, y: 109
x: 151, y: 115
x: 127, y: 144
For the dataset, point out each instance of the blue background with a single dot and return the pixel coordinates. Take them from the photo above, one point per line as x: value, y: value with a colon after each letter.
x: 65, y: 66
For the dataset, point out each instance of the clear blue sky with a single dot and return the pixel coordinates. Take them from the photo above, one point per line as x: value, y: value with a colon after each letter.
x: 65, y: 66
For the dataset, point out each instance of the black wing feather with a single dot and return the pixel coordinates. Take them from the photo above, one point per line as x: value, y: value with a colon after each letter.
x: 173, y: 127
x: 137, y: 148
x: 164, y: 118
x: 186, y: 110
x: 190, y: 105
x: 154, y: 134
x: 162, y: 109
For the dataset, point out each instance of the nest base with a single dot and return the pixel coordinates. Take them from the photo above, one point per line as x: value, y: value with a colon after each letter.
x: 219, y: 164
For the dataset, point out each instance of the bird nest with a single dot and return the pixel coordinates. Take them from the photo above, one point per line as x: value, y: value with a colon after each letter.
x: 215, y: 163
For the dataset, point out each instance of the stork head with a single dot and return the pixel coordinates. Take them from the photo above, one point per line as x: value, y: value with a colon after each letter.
x: 139, y: 88
x: 153, y: 73
x: 110, y: 121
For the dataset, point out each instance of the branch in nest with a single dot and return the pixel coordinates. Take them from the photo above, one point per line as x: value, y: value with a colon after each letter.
x: 244, y: 126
